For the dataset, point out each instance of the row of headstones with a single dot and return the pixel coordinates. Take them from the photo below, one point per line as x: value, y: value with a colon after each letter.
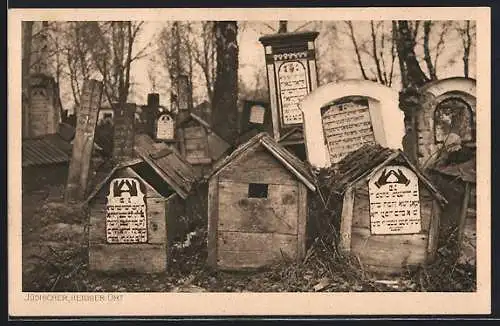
x: 339, y: 118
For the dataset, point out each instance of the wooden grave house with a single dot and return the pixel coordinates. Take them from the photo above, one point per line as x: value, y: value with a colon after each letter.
x: 132, y: 206
x: 257, y: 206
x: 198, y: 142
x: 390, y: 211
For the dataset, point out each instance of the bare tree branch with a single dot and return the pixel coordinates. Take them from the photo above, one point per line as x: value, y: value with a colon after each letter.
x: 356, y: 49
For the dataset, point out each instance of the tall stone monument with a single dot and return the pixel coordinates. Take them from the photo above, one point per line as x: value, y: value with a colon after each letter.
x: 291, y: 74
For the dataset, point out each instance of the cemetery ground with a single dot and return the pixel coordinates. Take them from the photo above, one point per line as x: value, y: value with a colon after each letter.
x: 55, y: 255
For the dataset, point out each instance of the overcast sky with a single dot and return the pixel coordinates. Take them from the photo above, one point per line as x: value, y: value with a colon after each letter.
x: 338, y: 56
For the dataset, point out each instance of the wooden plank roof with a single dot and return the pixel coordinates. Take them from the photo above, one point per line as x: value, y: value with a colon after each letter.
x: 49, y: 149
x: 164, y: 160
x: 289, y: 161
x: 361, y: 163
x: 167, y: 162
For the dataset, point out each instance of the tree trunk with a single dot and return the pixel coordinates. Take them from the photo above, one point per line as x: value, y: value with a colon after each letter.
x: 356, y: 49
x: 427, y: 53
x: 412, y: 77
x: 411, y: 74
x: 467, y: 44
x: 224, y: 106
x: 26, y: 64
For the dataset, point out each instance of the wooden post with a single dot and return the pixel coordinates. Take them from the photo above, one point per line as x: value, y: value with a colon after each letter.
x: 432, y: 244
x: 84, y: 141
x: 213, y: 220
x: 346, y: 220
x: 302, y: 222
x: 463, y: 215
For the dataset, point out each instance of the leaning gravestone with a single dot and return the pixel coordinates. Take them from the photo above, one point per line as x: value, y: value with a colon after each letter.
x: 341, y: 117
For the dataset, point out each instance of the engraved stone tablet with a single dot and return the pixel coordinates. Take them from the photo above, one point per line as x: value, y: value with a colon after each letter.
x: 126, y: 212
x: 257, y: 114
x: 394, y: 201
x: 347, y: 126
x: 165, y: 127
x: 292, y: 78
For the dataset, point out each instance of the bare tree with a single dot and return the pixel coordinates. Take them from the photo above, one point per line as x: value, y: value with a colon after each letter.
x: 356, y: 49
x: 467, y: 31
x: 441, y: 31
x: 111, y: 46
x: 378, y: 50
x: 411, y: 72
x: 204, y: 55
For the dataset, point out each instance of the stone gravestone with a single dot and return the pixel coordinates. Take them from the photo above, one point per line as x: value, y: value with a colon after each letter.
x: 341, y: 117
x: 123, y: 139
x: 126, y: 212
x: 291, y: 74
x: 394, y: 201
x: 165, y: 127
x: 446, y: 120
x: 255, y: 115
x: 347, y: 126
x: 44, y: 113
x: 84, y: 141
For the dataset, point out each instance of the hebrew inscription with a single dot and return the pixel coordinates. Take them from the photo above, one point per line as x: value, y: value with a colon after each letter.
x: 347, y: 126
x: 394, y: 201
x: 126, y: 212
x: 292, y: 78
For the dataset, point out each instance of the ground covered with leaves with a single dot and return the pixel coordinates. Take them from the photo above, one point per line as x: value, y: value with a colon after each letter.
x: 55, y: 257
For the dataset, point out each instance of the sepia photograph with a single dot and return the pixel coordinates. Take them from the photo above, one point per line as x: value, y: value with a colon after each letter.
x: 210, y: 155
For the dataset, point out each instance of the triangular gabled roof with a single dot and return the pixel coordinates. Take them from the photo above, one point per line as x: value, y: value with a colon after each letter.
x: 362, y: 162
x: 289, y: 161
x: 165, y: 161
x: 108, y: 176
x: 193, y: 116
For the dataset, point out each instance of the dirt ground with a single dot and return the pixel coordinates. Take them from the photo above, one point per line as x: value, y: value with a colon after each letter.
x: 55, y: 259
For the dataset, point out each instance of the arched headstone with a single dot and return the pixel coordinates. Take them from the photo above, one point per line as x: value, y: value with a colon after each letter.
x: 341, y: 117
x: 126, y: 212
x: 394, y: 201
x: 447, y: 117
x: 165, y: 127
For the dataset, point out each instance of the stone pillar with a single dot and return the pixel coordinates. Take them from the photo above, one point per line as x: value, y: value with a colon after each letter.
x: 123, y: 138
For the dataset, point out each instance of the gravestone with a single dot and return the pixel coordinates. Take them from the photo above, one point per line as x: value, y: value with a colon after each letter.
x: 347, y: 126
x: 255, y: 115
x: 291, y: 74
x: 123, y: 139
x: 126, y: 212
x: 165, y: 127
x: 84, y: 141
x: 44, y: 111
x: 446, y: 119
x: 394, y: 201
x: 341, y: 117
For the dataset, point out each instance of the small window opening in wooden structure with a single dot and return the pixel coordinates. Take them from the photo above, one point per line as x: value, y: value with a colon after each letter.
x: 257, y: 190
